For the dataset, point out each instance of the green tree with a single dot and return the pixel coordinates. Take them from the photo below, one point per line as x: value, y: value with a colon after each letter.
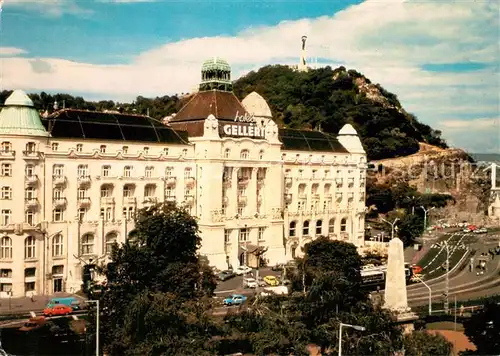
x: 423, y: 343
x: 410, y: 228
x: 156, y: 288
x: 483, y: 329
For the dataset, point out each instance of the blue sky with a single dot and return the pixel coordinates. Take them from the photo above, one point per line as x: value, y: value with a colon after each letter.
x: 440, y: 58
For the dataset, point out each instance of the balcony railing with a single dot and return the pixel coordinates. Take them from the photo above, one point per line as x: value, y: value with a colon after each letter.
x: 107, y: 200
x: 302, y: 196
x: 130, y: 200
x: 59, y: 179
x: 260, y: 182
x: 31, y: 202
x: 84, y: 179
x: 31, y: 179
x: 288, y: 197
x: 328, y: 196
x: 7, y: 154
x: 315, y: 196
x: 243, y: 180
x: 59, y: 201
x: 84, y: 201
x: 171, y: 181
x: 31, y: 155
x: 189, y: 199
x: 170, y: 198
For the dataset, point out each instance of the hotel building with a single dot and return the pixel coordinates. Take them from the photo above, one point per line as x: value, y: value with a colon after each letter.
x: 72, y: 182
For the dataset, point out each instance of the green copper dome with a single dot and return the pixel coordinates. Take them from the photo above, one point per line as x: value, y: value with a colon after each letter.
x: 19, y: 117
x: 216, y: 75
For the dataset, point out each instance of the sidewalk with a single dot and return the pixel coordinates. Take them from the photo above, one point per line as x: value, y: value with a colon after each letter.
x: 25, y: 304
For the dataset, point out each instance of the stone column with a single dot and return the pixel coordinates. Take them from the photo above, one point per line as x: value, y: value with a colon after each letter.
x: 252, y: 193
x: 395, y: 282
x: 232, y: 193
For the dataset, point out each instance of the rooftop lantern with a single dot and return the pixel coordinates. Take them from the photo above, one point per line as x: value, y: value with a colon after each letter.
x: 216, y: 75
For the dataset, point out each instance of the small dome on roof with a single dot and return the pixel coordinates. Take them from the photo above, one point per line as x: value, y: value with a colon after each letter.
x: 18, y: 98
x: 215, y: 63
x: 19, y: 117
x: 347, y: 129
x: 256, y: 105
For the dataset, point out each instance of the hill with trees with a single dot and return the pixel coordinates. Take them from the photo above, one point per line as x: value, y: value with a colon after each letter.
x: 323, y: 98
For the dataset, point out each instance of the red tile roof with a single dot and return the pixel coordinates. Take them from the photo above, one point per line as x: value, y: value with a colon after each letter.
x: 222, y: 104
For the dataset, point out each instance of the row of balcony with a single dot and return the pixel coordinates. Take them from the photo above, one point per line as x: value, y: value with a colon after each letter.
x: 242, y: 200
x: 242, y: 181
x: 339, y: 181
x: 86, y: 180
x: 26, y: 154
x: 303, y: 196
x: 86, y: 201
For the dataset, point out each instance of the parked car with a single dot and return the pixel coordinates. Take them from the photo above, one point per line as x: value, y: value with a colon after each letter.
x: 225, y: 275
x: 271, y: 280
x: 235, y: 299
x: 250, y: 283
x: 59, y: 309
x: 482, y: 230
x: 241, y: 270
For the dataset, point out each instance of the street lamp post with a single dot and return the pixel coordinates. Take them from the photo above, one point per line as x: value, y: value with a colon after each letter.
x: 425, y: 216
x: 355, y: 327
x: 393, y: 224
x: 97, y: 326
x: 430, y: 294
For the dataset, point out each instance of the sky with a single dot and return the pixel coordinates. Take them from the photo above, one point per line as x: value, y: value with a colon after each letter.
x: 441, y: 58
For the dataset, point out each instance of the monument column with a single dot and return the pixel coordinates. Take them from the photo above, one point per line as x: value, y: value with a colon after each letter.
x: 395, y: 294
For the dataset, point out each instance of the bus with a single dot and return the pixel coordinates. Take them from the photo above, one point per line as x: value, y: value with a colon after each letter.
x: 375, y: 276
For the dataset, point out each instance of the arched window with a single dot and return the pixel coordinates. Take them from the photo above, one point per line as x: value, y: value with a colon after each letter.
x: 343, y: 225
x: 111, y: 239
x: 227, y: 153
x: 57, y: 245
x: 244, y: 154
x: 87, y: 244
x: 292, y: 230
x: 29, y: 248
x: 331, y: 226
x: 261, y: 154
x: 305, y: 228
x: 6, y: 248
x: 319, y: 227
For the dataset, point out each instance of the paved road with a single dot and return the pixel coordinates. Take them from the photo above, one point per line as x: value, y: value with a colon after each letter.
x: 235, y: 285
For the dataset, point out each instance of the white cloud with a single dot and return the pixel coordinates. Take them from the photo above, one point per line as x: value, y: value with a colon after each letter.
x: 11, y: 51
x: 474, y: 125
x: 388, y: 41
x: 49, y: 7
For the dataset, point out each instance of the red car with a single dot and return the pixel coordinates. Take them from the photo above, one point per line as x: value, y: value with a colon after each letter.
x: 58, y: 310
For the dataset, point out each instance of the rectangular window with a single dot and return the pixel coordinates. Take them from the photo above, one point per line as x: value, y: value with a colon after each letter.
x: 79, y: 147
x: 57, y: 215
x: 6, y: 170
x: 6, y: 217
x: 30, y: 218
x: 58, y: 170
x: 55, y: 146
x: 261, y: 232
x: 227, y: 236
x: 244, y: 233
x: 105, y: 171
x: 82, y: 214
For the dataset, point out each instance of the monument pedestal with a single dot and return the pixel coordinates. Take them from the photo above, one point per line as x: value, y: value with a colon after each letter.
x: 406, y: 319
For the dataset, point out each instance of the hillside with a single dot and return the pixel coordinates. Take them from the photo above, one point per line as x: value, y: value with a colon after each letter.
x: 328, y: 98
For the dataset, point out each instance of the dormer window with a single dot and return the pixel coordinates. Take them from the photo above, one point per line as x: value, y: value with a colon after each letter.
x: 102, y: 149
x: 261, y: 154
x: 184, y: 152
x: 125, y: 149
x: 165, y: 151
x: 79, y: 147
x: 146, y: 150
x: 227, y: 153
x: 54, y: 146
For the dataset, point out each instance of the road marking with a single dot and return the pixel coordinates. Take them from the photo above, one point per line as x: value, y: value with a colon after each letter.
x: 224, y: 291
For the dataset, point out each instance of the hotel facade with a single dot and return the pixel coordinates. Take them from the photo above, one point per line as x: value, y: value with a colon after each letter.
x: 72, y: 182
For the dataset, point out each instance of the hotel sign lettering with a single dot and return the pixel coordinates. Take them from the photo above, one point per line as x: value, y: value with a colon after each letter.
x: 244, y: 126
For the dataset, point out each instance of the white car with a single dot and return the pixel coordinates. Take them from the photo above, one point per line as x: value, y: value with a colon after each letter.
x: 250, y: 283
x: 241, y: 270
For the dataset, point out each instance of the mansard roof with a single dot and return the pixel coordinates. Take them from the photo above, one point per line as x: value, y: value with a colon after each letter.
x: 19, y: 116
x: 83, y: 124
x: 224, y: 105
x: 300, y: 140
